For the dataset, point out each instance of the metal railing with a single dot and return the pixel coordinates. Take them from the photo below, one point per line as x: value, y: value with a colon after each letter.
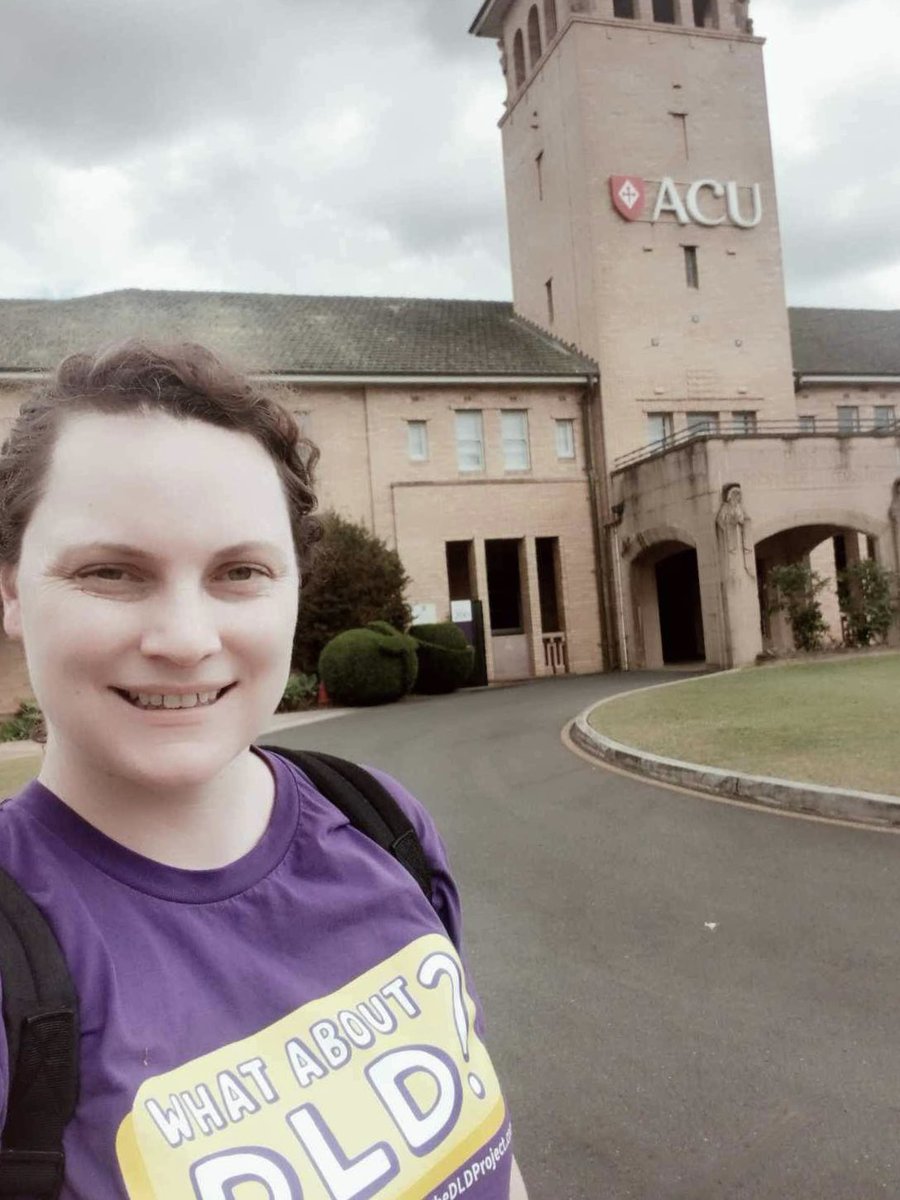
x: 824, y: 427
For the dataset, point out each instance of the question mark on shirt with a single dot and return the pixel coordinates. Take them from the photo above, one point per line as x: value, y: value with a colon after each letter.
x: 434, y: 967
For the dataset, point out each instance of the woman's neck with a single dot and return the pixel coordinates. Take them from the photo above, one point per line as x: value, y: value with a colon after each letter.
x: 203, y: 828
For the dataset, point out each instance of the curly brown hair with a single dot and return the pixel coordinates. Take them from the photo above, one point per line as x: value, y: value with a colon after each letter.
x: 185, y: 380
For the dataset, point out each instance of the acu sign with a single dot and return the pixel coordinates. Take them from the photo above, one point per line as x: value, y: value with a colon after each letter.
x: 704, y: 202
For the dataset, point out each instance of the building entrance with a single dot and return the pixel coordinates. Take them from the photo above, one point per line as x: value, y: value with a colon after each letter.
x: 509, y: 637
x: 680, y: 620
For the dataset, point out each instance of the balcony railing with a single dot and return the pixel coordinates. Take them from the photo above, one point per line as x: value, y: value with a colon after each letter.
x: 824, y: 427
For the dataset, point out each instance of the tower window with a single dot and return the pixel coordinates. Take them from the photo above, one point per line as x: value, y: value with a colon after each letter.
x: 550, y: 22
x: 519, y: 57
x: 664, y: 11
x: 624, y: 9
x: 706, y: 14
x: 548, y: 288
x: 534, y: 35
x: 691, y: 266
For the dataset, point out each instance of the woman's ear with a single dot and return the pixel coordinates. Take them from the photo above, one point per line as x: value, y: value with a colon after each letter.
x: 12, y: 614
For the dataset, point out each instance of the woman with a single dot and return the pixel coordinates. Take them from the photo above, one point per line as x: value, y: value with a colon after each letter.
x: 265, y: 996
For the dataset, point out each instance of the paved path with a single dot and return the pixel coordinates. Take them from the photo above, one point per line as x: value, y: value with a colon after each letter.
x: 687, y: 1000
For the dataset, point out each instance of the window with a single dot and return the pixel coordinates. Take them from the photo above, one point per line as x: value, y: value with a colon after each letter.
x: 705, y: 14
x: 548, y: 288
x: 519, y: 57
x: 848, y: 418
x: 664, y: 11
x: 469, y: 440
x: 514, y: 425
x: 565, y: 438
x: 550, y: 23
x: 624, y: 9
x: 885, y: 416
x: 807, y: 424
x: 417, y: 440
x: 534, y: 36
x: 660, y: 428
x: 743, y: 422
x: 703, y: 422
x: 691, y: 266
x: 539, y: 165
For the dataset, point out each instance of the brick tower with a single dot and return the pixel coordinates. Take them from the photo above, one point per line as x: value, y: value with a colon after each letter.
x: 641, y: 202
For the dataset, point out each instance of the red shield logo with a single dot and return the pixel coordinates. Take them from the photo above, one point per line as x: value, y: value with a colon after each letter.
x: 629, y: 195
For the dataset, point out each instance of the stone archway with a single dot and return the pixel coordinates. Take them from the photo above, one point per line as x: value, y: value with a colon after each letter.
x: 664, y: 585
x: 829, y: 542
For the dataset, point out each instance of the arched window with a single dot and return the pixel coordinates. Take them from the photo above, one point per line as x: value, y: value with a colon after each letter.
x: 550, y: 23
x: 519, y: 58
x: 534, y: 35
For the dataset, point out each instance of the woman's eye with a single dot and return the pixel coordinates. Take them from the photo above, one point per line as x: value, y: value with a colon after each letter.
x: 258, y: 570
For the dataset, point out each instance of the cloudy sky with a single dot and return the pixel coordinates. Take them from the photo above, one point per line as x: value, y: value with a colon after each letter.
x: 351, y: 147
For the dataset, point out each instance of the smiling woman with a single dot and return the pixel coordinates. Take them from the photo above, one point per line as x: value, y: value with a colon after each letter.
x: 155, y: 525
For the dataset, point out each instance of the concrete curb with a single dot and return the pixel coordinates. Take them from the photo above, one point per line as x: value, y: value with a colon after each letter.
x: 866, y: 808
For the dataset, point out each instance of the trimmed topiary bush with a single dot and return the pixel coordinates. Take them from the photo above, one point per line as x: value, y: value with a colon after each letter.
x: 445, y: 657
x: 354, y: 579
x: 375, y: 665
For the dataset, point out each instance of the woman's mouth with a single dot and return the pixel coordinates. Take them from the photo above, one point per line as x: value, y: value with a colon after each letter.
x: 171, y: 703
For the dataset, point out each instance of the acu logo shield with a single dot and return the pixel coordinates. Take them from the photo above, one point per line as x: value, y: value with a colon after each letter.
x: 629, y: 195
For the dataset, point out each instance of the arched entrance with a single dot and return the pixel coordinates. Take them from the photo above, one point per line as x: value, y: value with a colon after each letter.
x: 828, y: 549
x: 668, y: 620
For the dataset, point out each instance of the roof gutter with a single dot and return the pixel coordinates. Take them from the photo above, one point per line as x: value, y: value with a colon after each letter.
x: 886, y: 379
x: 385, y: 380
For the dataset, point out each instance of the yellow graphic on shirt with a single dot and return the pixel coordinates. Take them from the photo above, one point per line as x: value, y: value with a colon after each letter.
x: 382, y: 1089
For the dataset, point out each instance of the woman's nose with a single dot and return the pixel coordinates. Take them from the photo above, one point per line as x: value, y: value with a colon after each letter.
x: 184, y: 626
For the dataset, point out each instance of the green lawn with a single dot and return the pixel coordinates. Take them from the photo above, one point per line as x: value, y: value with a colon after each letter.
x: 15, y: 772
x: 835, y: 722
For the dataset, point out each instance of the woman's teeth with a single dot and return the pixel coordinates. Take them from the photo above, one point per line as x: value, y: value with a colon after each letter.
x: 198, y: 699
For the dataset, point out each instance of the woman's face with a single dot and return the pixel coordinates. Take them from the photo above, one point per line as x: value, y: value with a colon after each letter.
x: 180, y: 611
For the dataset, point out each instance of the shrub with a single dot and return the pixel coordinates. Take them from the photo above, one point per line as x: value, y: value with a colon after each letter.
x: 865, y: 594
x: 354, y: 579
x: 300, y: 692
x: 445, y: 657
x: 368, y: 666
x: 27, y: 724
x: 796, y: 587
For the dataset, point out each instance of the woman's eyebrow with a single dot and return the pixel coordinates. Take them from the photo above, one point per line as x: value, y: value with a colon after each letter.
x: 136, y: 552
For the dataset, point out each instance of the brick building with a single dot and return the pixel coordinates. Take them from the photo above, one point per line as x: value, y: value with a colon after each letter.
x: 613, y: 462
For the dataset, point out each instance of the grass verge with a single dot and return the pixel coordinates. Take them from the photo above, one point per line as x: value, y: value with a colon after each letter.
x: 15, y: 773
x: 834, y: 723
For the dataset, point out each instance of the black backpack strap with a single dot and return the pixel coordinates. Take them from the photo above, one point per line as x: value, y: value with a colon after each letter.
x: 40, y: 1013
x: 368, y: 806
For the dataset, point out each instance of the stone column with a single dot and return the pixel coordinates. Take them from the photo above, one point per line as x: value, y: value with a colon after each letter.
x: 531, y: 604
x: 684, y: 13
x: 481, y: 593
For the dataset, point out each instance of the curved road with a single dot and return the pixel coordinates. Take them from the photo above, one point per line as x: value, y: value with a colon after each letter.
x: 685, y: 999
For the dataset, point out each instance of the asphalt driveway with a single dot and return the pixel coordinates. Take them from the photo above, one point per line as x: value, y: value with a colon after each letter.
x: 686, y: 1000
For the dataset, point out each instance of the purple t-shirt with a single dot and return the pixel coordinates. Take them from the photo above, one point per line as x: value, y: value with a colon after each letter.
x: 294, y: 1026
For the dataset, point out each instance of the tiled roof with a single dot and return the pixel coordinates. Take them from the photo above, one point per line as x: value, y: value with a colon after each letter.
x: 340, y: 335
x: 845, y: 341
x: 373, y: 335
